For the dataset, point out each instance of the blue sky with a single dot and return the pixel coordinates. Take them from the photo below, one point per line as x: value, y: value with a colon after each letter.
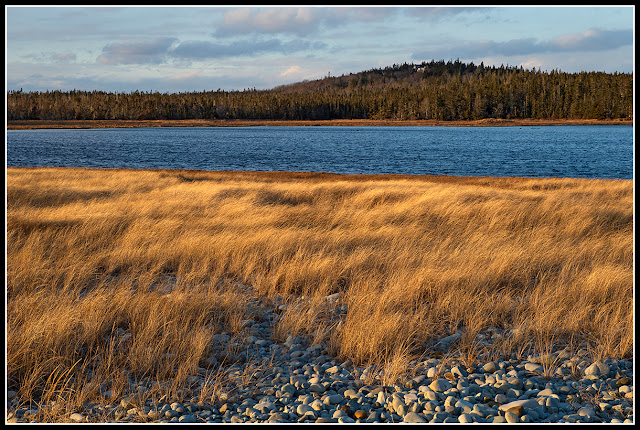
x: 173, y: 49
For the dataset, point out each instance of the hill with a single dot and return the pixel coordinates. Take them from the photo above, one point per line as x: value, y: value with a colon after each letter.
x: 437, y: 90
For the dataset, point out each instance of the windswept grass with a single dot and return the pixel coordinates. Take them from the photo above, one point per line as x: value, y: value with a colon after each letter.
x: 415, y: 258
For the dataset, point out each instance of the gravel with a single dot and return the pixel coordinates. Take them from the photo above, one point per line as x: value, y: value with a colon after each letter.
x: 296, y: 382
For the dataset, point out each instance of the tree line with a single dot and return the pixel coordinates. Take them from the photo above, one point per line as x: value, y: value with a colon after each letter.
x: 430, y: 90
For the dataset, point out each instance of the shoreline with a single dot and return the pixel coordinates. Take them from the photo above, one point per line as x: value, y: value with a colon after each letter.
x: 283, y: 176
x: 488, y: 122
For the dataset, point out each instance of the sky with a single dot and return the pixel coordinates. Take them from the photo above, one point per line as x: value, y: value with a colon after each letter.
x: 181, y: 49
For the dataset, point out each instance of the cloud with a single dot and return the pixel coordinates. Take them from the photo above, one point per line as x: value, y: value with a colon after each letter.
x: 593, y: 39
x: 443, y: 12
x: 152, y: 51
x: 185, y: 76
x: 296, y: 20
x: 197, y: 50
x: 291, y: 70
x: 589, y: 41
x: 64, y: 57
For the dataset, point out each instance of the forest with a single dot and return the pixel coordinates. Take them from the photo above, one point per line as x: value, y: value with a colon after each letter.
x: 435, y: 90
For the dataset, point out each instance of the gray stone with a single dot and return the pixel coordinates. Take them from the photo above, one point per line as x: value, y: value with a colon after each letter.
x: 490, y: 367
x: 412, y: 417
x: 597, y: 369
x: 333, y: 399
x: 440, y: 385
x: 187, y: 419
x: 465, y: 418
x: 533, y: 367
x: 511, y: 417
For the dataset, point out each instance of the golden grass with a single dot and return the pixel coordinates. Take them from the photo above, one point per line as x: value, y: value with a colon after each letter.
x: 415, y: 258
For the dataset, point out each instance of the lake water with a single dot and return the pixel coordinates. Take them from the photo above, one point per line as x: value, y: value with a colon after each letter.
x: 552, y: 151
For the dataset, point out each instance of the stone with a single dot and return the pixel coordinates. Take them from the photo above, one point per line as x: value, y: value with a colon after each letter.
x: 517, y: 409
x: 584, y: 411
x: 525, y: 404
x: 317, y: 388
x: 360, y: 414
x: 510, y: 417
x: 346, y: 420
x: 440, y: 385
x: 501, y: 398
x: 490, y: 367
x: 597, y: 369
x: 533, y: 367
x: 333, y: 399
x: 465, y: 418
x: 303, y: 409
x: 333, y: 370
x: 187, y: 419
x: 412, y: 417
x: 620, y: 382
x: 77, y: 417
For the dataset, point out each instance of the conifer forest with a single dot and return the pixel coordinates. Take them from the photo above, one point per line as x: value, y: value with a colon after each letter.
x: 435, y: 90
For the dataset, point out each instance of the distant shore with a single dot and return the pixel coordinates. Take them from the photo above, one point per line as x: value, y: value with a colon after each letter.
x: 489, y: 122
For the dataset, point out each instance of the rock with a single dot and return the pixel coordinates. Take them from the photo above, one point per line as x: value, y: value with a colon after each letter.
x: 360, y: 414
x: 546, y: 392
x: 490, y: 367
x: 501, y: 398
x: 440, y: 385
x: 465, y: 418
x: 533, y: 367
x: 303, y: 409
x: 597, y: 369
x: 510, y: 417
x: 584, y: 411
x: 317, y: 388
x: 620, y: 382
x: 412, y: 417
x: 333, y: 399
x: 525, y: 404
x: 325, y: 420
x: 288, y: 389
x: 77, y: 418
x: 187, y: 418
x: 333, y: 370
x: 517, y: 409
x: 459, y: 372
x: 346, y: 420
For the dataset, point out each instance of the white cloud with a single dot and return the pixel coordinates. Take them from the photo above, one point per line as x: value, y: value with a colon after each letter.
x: 293, y: 70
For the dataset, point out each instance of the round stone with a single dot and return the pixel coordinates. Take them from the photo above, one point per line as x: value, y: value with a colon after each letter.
x: 412, y: 417
x: 511, y: 417
x: 360, y: 414
x: 490, y: 367
x: 440, y: 385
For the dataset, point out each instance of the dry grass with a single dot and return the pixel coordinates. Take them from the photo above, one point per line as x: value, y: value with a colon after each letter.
x: 415, y: 258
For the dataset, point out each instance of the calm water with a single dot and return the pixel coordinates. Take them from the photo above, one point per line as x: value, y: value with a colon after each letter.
x: 560, y: 151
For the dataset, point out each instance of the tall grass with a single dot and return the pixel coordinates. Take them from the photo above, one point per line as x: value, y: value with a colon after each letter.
x: 415, y: 258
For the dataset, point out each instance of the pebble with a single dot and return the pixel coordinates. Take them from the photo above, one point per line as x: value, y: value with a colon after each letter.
x: 305, y: 384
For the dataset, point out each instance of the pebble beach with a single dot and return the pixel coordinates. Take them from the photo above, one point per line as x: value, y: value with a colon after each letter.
x: 297, y: 382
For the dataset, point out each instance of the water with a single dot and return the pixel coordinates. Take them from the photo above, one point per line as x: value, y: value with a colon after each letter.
x: 557, y: 151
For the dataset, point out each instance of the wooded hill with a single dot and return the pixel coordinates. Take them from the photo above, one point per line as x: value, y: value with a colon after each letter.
x: 435, y: 90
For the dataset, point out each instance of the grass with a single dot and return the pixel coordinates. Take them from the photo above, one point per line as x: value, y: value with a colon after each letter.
x: 90, y: 254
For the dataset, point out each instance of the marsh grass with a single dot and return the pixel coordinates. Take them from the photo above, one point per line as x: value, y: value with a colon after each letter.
x: 92, y: 254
